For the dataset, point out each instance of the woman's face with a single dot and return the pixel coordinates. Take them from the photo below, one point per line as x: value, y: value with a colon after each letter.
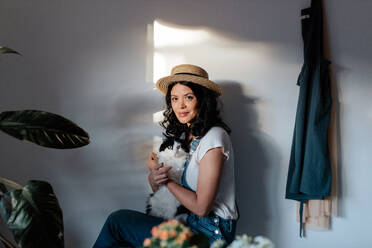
x: 184, y: 103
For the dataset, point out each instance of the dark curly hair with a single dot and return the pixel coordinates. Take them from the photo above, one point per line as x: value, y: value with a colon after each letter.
x: 207, y: 117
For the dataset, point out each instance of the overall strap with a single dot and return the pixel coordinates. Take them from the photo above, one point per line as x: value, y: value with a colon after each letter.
x: 193, y: 146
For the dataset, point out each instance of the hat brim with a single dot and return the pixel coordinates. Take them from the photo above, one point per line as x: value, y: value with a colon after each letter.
x: 163, y: 83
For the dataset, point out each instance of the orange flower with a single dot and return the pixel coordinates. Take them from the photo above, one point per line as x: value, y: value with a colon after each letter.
x: 164, y: 235
x: 172, y: 233
x: 182, y: 237
x: 147, y: 242
x: 155, y: 232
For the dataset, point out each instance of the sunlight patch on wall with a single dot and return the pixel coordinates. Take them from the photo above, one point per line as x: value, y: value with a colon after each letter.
x: 171, y: 46
x: 160, y: 66
x: 166, y: 36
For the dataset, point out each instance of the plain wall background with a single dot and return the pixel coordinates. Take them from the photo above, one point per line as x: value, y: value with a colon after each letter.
x: 89, y: 61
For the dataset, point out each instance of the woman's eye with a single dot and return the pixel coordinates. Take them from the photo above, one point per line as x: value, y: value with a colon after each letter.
x: 189, y: 97
x: 174, y: 99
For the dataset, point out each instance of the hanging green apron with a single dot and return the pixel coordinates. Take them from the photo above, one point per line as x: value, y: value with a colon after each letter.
x: 309, y: 174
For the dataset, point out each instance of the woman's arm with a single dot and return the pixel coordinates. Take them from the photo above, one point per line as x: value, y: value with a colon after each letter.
x: 210, y: 169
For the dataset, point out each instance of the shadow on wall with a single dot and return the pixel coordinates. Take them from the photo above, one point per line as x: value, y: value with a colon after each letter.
x: 334, y: 130
x: 337, y: 165
x: 252, y: 160
x: 116, y: 160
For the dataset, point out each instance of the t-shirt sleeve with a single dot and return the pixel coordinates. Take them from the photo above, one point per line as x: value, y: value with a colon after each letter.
x: 216, y: 137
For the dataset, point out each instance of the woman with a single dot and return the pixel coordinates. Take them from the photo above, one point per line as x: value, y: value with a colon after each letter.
x: 208, y: 186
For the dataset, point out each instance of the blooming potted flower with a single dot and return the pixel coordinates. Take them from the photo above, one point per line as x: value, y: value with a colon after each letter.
x: 174, y: 234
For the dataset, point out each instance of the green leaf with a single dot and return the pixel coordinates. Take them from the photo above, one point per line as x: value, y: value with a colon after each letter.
x: 5, y: 199
x: 36, y: 217
x: 4, y: 50
x: 6, y: 242
x: 43, y: 128
x: 5, y: 206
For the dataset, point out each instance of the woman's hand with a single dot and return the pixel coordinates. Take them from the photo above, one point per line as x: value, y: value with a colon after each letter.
x: 152, y: 161
x: 158, y: 176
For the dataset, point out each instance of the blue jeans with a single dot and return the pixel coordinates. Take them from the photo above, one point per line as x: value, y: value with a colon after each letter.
x: 126, y: 228
x: 129, y: 228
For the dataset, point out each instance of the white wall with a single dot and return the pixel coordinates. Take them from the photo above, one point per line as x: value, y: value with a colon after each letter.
x: 89, y: 61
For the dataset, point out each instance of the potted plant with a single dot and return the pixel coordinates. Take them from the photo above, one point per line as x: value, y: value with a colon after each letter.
x: 32, y: 211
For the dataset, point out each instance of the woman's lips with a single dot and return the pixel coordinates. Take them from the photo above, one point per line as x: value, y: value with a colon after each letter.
x: 183, y: 114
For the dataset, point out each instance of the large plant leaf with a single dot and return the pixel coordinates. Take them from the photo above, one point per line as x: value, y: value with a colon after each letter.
x: 5, y: 204
x: 6, y: 242
x: 36, y: 217
x: 7, y: 50
x: 43, y: 128
x: 5, y: 199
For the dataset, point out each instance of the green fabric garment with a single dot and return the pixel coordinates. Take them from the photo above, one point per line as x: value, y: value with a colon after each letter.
x: 309, y: 173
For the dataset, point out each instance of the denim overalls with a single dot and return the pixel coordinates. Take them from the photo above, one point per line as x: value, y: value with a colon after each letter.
x: 213, y: 226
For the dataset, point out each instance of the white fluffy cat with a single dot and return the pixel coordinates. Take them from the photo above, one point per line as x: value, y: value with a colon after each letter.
x: 162, y: 203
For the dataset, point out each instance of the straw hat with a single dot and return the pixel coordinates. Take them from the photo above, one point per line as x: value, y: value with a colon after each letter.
x: 189, y: 73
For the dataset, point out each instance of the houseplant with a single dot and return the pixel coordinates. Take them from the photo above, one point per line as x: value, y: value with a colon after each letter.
x: 32, y: 212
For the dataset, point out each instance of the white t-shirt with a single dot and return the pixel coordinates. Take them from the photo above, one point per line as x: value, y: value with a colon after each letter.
x: 224, y: 205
